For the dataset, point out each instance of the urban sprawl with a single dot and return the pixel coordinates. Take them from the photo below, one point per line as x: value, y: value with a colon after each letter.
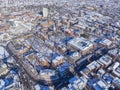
x: 59, y: 44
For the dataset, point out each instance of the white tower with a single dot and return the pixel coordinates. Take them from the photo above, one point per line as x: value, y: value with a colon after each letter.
x: 45, y: 12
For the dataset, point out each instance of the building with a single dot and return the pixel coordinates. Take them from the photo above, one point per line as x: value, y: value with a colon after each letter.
x: 10, y: 83
x: 81, y: 44
x: 85, y: 72
x: 46, y: 24
x: 4, y: 27
x: 105, y: 60
x: 3, y: 69
x: 18, y: 48
x: 58, y: 60
x: 5, y: 37
x: 44, y: 61
x: 48, y: 75
x: 3, y: 53
x: 93, y: 66
x: 114, y: 53
x: 78, y: 32
x: 101, y: 85
x: 100, y: 72
x: 45, y: 12
x: 62, y: 48
x: 42, y: 35
x: 108, y: 78
x: 106, y: 42
x: 65, y: 69
x: 37, y: 87
x: 77, y: 83
x: 116, y: 83
x: 2, y: 83
x: 74, y: 57
x: 19, y: 27
x: 116, y: 69
x: 36, y: 60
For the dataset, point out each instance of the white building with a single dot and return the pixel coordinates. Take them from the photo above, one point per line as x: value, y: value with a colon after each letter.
x: 105, y: 60
x: 77, y: 84
x: 45, y: 12
x: 116, y: 82
x: 2, y: 83
x: 106, y: 42
x: 93, y: 65
x: 81, y: 44
x: 3, y: 53
x: 101, y: 85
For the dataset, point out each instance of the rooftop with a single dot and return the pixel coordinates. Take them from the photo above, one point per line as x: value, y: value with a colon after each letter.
x: 78, y: 83
x: 106, y: 60
x: 80, y: 43
x: 3, y: 53
x: 116, y: 81
x: 106, y: 42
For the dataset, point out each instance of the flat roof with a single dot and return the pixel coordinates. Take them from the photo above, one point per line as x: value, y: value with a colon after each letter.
x: 106, y: 42
x: 105, y: 59
x: 3, y: 53
x: 80, y: 43
x: 116, y: 81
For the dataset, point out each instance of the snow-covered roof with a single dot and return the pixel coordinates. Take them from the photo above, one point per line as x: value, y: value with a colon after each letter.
x: 3, y: 53
x: 2, y: 83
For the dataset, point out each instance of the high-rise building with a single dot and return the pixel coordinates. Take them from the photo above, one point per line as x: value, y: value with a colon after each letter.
x: 45, y: 12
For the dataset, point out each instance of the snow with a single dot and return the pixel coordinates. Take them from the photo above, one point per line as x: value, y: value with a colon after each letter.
x: 2, y: 83
x: 3, y: 52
